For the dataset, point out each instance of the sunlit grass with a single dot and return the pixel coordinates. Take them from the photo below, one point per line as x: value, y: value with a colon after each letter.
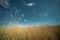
x: 30, y: 33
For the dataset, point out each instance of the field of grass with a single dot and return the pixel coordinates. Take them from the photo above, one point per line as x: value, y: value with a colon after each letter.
x: 30, y: 33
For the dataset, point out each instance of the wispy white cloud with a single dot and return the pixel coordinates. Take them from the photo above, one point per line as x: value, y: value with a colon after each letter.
x: 25, y: 20
x: 29, y: 4
x: 22, y: 15
x: 4, y: 3
x: 17, y: 10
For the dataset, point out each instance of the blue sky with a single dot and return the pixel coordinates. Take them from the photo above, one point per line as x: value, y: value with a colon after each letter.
x: 29, y: 12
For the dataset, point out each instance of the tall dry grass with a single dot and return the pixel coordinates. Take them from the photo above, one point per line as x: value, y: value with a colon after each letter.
x: 30, y: 33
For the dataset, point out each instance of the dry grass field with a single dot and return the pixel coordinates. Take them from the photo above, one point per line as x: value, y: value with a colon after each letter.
x: 30, y: 33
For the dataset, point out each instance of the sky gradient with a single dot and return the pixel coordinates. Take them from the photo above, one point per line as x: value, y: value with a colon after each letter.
x: 29, y: 12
